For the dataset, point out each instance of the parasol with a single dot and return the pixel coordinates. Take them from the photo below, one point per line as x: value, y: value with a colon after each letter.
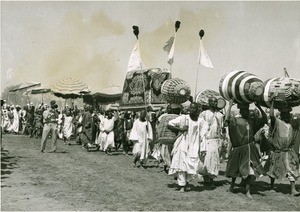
x: 70, y: 88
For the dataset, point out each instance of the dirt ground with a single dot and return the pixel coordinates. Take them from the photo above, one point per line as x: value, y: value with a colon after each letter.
x: 75, y: 180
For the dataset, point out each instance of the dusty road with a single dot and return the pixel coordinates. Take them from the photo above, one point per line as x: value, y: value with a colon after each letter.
x: 76, y: 180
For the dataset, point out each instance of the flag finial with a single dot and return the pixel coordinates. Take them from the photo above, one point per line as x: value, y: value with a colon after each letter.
x: 201, y: 33
x: 177, y: 25
x: 286, y: 74
x: 136, y: 31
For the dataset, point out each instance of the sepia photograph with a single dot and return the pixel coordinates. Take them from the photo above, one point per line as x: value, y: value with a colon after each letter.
x: 150, y: 105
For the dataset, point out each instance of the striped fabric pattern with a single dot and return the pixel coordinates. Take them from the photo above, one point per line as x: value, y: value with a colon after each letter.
x: 71, y: 86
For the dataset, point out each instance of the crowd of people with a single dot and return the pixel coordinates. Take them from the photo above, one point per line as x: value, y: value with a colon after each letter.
x: 253, y: 142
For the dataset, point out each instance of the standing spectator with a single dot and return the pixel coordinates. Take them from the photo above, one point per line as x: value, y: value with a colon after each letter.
x: 141, y: 134
x: 107, y: 133
x: 128, y: 124
x: 94, y: 125
x: 14, y: 128
x: 30, y: 120
x: 5, y: 119
x: 50, y: 125
x: 67, y: 126
x: 151, y: 117
x: 23, y: 119
x: 86, y: 126
x: 78, y: 127
x: 38, y: 123
x: 119, y: 131
x: 99, y: 140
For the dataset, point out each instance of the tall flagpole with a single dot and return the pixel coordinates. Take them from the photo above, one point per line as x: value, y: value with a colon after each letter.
x: 201, y: 34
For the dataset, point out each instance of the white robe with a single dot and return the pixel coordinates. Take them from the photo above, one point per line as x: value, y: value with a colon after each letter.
x: 15, y: 124
x: 107, y: 139
x: 67, y: 127
x: 211, y: 143
x: 186, y: 147
x: 5, y: 120
x: 141, y: 133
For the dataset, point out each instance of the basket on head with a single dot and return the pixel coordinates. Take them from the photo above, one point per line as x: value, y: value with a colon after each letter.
x: 176, y: 90
x: 286, y: 92
x: 203, y: 97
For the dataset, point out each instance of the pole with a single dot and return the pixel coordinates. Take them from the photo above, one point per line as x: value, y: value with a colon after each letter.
x: 141, y: 65
x: 201, y: 34
x: 198, y: 65
x: 173, y: 48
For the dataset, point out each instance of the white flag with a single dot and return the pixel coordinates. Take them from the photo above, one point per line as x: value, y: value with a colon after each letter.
x: 203, y: 57
x: 169, y: 48
x: 135, y: 60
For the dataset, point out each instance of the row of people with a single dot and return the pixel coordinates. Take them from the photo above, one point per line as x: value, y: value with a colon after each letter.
x: 197, y: 148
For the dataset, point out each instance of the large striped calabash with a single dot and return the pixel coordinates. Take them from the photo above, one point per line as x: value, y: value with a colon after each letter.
x: 241, y: 86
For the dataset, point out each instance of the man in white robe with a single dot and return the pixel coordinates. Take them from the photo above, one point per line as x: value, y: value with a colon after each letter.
x: 211, y: 143
x: 107, y: 133
x: 141, y: 135
x: 14, y: 128
x: 185, y: 152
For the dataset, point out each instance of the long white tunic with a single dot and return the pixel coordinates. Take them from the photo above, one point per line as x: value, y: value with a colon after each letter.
x: 107, y: 139
x: 186, y: 148
x: 68, y: 126
x: 141, y: 133
x: 5, y: 119
x: 211, y: 142
x: 15, y: 124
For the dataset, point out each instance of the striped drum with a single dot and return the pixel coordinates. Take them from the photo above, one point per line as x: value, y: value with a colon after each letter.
x: 175, y: 91
x: 286, y: 92
x: 241, y: 86
x: 203, y: 96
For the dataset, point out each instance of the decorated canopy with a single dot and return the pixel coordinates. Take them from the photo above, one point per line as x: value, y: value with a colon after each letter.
x: 70, y: 88
x: 142, y: 89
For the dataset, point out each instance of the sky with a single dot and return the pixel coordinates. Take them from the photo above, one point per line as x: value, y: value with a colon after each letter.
x: 92, y: 41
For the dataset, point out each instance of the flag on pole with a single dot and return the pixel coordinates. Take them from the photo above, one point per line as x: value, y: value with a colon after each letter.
x: 203, y: 57
x: 135, y: 60
x: 169, y: 48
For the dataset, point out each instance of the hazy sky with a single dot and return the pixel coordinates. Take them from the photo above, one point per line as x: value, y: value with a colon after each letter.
x: 49, y: 41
